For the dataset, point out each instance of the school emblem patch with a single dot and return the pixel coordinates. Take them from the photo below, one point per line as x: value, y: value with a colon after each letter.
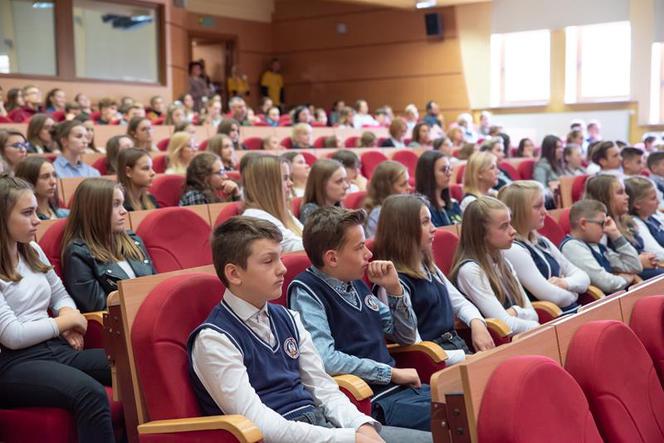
x: 370, y: 301
x: 291, y: 348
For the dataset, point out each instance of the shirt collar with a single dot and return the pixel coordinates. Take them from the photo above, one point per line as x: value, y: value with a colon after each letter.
x: 339, y: 286
x: 63, y: 160
x: 242, y: 308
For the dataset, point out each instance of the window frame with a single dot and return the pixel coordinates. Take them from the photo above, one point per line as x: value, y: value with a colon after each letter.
x: 498, y: 78
x: 65, y: 61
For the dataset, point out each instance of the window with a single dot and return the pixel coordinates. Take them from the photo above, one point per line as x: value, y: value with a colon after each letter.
x: 656, y: 115
x: 597, y: 62
x: 27, y: 37
x: 520, y: 68
x: 116, y: 42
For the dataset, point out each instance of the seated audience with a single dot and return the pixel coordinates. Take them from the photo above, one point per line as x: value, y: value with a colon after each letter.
x: 593, y: 130
x: 495, y: 146
x: 299, y: 173
x: 272, y: 143
x: 549, y: 167
x: 222, y: 145
x: 573, y: 161
x: 345, y: 118
x: 301, y: 114
x: 398, y: 130
x: 526, y: 149
x: 15, y: 99
x: 84, y: 103
x: 320, y: 117
x: 40, y: 173
x: 302, y: 136
x: 71, y: 138
x: 266, y: 186
x: 351, y: 162
x: 272, y: 117
x: 32, y: 104
x: 327, y: 185
x: 483, y: 274
x: 362, y: 118
x: 644, y: 210
x: 479, y: 177
x: 135, y: 174
x: 656, y: 167
x: 140, y: 131
x: 108, y: 112
x: 39, y: 134
x: 436, y: 303
x: 231, y: 128
x: 55, y: 101
x: 181, y: 150
x: 388, y: 178
x: 337, y: 106
x: 157, y: 109
x: 329, y: 297
x: 367, y: 139
x: 606, y: 159
x: 206, y: 180
x: 421, y: 136
x: 176, y: 115
x: 432, y: 180
x: 411, y: 116
x: 542, y: 270
x: 114, y: 146
x: 13, y: 149
x: 633, y: 161
x: 609, y: 269
x: 213, y: 115
x: 43, y: 363
x: 98, y: 250
x: 291, y: 399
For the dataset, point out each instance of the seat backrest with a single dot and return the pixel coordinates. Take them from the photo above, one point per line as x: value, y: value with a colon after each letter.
x: 159, y: 163
x: 407, y: 158
x: 510, y: 170
x: 51, y: 244
x: 159, y: 336
x: 100, y: 165
x: 456, y: 191
x: 563, y: 221
x: 459, y: 174
x: 309, y: 157
x: 525, y: 168
x: 176, y: 238
x: 295, y: 263
x: 162, y: 144
x: 296, y: 205
x: 354, y: 200
x: 351, y: 142
x: 617, y: 375
x: 320, y: 142
x: 551, y: 230
x: 253, y: 143
x: 647, y: 322
x: 370, y: 160
x: 444, y: 247
x: 228, y: 211
x: 167, y: 189
x: 578, y: 186
x: 286, y: 142
x: 523, y: 402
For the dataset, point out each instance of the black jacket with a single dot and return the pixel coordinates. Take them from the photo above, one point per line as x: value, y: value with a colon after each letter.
x: 89, y: 281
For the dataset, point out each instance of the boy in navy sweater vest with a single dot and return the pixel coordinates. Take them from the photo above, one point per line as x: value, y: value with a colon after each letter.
x: 348, y: 323
x: 254, y: 358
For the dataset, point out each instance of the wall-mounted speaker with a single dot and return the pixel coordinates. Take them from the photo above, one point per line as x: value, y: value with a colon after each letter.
x: 433, y: 25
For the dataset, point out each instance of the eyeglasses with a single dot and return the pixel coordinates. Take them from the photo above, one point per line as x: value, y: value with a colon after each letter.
x: 447, y: 169
x: 598, y: 222
x: 20, y: 146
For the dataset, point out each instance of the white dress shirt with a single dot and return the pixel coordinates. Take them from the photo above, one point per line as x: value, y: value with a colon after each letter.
x: 291, y: 241
x: 218, y: 363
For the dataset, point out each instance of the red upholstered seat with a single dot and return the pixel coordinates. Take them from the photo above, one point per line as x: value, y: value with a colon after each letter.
x: 407, y: 158
x: 228, y: 211
x: 532, y: 399
x: 578, y: 187
x: 202, y: 146
x: 309, y: 157
x: 459, y: 173
x: 510, y: 170
x: 287, y: 143
x: 296, y: 205
x: 253, y: 143
x: 51, y: 244
x: 295, y: 263
x: 552, y: 230
x: 176, y: 238
x: 163, y: 143
x: 354, y: 200
x: 444, y: 246
x: 5, y: 119
x: 647, y: 322
x: 370, y: 160
x: 58, y: 116
x: 159, y: 163
x: 618, y: 377
x: 167, y: 189
x: 456, y: 191
x: 351, y: 142
x: 525, y: 169
x: 320, y: 142
x: 100, y: 165
x: 563, y: 221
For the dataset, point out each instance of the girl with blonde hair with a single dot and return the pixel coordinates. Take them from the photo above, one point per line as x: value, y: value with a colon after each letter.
x: 98, y: 250
x: 388, y: 178
x: 643, y: 207
x: 540, y: 266
x: 299, y: 172
x: 267, y: 183
x: 181, y: 149
x: 135, y: 174
x: 327, y: 185
x: 479, y: 177
x: 483, y: 274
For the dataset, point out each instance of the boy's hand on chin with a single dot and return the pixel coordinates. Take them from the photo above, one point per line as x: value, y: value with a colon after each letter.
x: 384, y: 274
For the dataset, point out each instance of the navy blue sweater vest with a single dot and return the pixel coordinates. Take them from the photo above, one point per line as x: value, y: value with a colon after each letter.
x: 274, y: 372
x: 431, y: 303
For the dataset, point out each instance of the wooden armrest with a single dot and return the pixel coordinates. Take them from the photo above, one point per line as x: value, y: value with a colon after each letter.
x: 113, y: 299
x: 595, y: 293
x: 499, y: 327
x: 241, y: 428
x: 435, y: 352
x: 548, y: 307
x: 357, y: 387
x: 97, y: 316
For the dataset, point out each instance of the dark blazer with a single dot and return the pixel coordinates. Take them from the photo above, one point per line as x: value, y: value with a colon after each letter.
x: 129, y: 208
x: 89, y: 281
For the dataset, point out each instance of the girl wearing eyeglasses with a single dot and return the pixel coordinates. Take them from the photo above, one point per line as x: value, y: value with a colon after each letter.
x: 13, y: 149
x: 206, y: 180
x: 432, y: 179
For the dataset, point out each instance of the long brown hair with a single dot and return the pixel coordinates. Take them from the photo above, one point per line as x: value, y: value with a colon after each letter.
x: 263, y: 189
x: 35, y: 126
x: 198, y: 175
x: 319, y: 175
x: 11, y: 189
x: 90, y: 221
x: 382, y: 183
x: 401, y: 213
x: 473, y: 246
x: 128, y: 159
x: 600, y: 188
x: 29, y: 169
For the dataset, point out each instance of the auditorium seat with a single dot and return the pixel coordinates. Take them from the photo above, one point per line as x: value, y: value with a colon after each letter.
x: 229, y: 211
x: 160, y: 163
x: 444, y: 247
x: 351, y: 142
x: 408, y: 158
x: 202, y: 146
x: 647, y: 322
x: 459, y: 173
x: 159, y: 337
x: 532, y: 399
x: 320, y: 141
x: 286, y: 142
x: 176, y: 238
x: 619, y: 379
x: 578, y: 187
x: 456, y: 191
x: 370, y: 160
x: 354, y: 200
x: 253, y: 143
x: 5, y: 119
x: 309, y: 157
x: 100, y: 165
x: 58, y: 116
x: 162, y: 144
x: 296, y: 205
x: 525, y: 168
x: 167, y: 189
x: 563, y: 221
x: 552, y: 230
x: 51, y: 244
x: 510, y: 170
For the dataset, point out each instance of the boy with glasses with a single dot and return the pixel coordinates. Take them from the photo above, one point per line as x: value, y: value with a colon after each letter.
x: 582, y: 247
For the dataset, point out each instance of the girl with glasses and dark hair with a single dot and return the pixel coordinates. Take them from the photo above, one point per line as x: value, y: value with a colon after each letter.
x: 432, y: 179
x: 13, y: 149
